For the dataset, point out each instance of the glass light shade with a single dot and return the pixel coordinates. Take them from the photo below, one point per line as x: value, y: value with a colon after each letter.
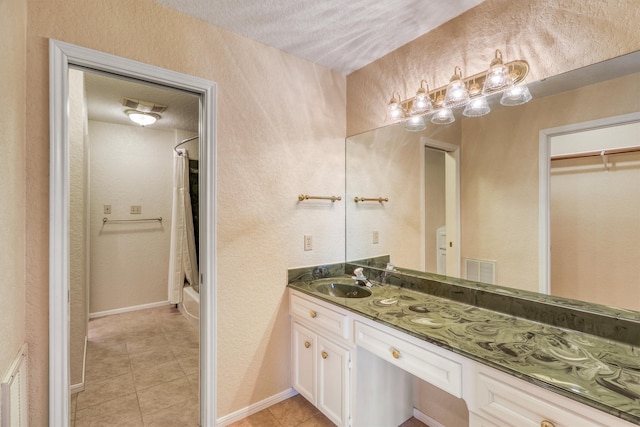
x: 395, y: 110
x: 142, y: 119
x: 477, y: 107
x: 457, y: 93
x: 443, y: 117
x: 516, y: 95
x: 415, y: 124
x: 498, y: 76
x: 421, y: 103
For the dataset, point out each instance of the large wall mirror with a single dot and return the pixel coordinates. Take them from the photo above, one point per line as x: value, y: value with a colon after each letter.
x: 485, y: 197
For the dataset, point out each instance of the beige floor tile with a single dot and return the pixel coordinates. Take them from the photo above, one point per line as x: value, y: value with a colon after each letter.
x: 97, y: 351
x: 107, y: 368
x: 318, y: 420
x: 158, y: 374
x: 122, y: 412
x: 155, y: 342
x: 100, y: 391
x: 261, y: 419
x: 171, y: 393
x: 293, y: 411
x: 194, y: 380
x: 190, y: 365
x: 186, y: 414
x: 149, y: 358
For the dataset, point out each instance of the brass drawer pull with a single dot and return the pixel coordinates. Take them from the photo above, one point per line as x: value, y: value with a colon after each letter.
x: 324, y: 354
x: 546, y: 423
x: 313, y: 314
x: 307, y: 344
x: 395, y: 353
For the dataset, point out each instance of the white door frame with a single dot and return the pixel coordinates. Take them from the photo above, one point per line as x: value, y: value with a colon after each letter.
x: 544, y: 214
x: 452, y: 202
x: 61, y: 56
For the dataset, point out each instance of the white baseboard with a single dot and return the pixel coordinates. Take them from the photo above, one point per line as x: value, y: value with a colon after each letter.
x: 256, y: 407
x: 127, y: 309
x: 420, y: 416
x: 77, y: 388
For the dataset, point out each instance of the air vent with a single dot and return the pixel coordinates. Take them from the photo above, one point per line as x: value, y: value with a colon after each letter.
x: 143, y: 106
x: 480, y: 270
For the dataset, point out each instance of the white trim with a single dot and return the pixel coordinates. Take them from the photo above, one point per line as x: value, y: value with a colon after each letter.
x: 545, y: 135
x: 77, y: 388
x: 255, y: 408
x: 421, y: 416
x: 61, y: 56
x: 128, y: 309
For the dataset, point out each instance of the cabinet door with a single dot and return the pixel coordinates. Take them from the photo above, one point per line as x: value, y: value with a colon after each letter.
x: 333, y: 381
x: 303, y: 363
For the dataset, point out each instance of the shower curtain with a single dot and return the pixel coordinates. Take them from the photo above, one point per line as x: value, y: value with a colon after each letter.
x: 183, y: 262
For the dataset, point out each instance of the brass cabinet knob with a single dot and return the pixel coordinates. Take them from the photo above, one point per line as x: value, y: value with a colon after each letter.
x: 546, y: 423
x: 307, y: 344
x: 324, y: 354
x: 395, y: 353
x: 313, y: 314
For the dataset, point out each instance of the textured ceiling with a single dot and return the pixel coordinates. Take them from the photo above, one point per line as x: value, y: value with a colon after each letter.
x: 343, y: 35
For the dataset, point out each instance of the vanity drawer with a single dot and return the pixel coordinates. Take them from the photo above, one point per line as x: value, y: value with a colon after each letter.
x: 502, y: 400
x: 318, y: 315
x: 418, y: 360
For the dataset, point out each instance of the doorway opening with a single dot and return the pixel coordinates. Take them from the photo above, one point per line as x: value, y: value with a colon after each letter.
x: 64, y: 56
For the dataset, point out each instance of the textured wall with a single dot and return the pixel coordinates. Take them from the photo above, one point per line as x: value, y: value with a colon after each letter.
x: 12, y: 179
x: 130, y: 165
x: 78, y: 248
x: 552, y: 35
x: 281, y: 126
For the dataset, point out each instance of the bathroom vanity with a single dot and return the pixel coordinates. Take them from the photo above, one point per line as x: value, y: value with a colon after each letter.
x: 355, y: 359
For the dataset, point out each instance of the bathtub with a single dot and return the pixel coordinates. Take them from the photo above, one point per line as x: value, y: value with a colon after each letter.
x: 190, y: 306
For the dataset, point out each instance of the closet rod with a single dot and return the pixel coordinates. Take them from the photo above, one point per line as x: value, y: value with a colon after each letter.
x: 596, y: 153
x: 184, y: 141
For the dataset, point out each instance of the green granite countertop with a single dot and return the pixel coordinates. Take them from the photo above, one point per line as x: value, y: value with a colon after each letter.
x: 596, y: 371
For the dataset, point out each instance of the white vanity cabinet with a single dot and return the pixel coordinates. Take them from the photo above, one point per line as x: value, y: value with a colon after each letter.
x: 321, y: 357
x: 496, y: 399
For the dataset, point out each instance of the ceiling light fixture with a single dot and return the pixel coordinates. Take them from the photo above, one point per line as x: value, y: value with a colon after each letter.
x: 469, y: 92
x: 142, y: 118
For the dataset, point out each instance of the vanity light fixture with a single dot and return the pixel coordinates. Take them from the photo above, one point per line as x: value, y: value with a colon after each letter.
x: 415, y: 124
x: 457, y: 93
x: 395, y: 110
x: 516, y: 95
x: 498, y: 76
x: 469, y: 92
x: 422, y: 102
x: 142, y: 118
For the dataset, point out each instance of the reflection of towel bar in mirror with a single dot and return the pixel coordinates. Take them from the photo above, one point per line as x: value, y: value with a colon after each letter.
x: 302, y: 197
x: 105, y: 220
x: 371, y: 199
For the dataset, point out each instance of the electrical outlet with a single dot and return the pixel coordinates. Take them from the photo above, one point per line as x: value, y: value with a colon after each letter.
x: 107, y: 209
x: 308, y: 245
x: 136, y: 209
x: 376, y: 237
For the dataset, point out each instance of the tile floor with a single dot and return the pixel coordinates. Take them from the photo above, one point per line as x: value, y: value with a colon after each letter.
x: 143, y: 370
x: 297, y: 412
